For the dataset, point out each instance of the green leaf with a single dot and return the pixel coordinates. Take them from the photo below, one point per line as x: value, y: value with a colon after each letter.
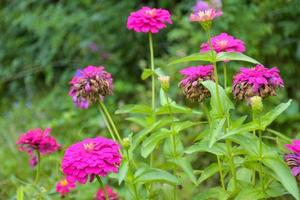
x: 203, y: 146
x: 222, y: 56
x: 151, y: 175
x: 146, y: 74
x: 179, y: 126
x: 185, y: 165
x: 20, y: 193
x: 205, y: 56
x: 151, y: 142
x: 269, y: 117
x: 176, y: 109
x: 208, y: 172
x: 213, y: 193
x: 283, y: 174
x: 134, y: 108
x: 238, y: 122
x: 159, y: 72
x: 122, y: 171
x: 251, y: 126
x: 168, y: 148
x: 250, y: 193
x: 215, y: 130
x: 226, y: 103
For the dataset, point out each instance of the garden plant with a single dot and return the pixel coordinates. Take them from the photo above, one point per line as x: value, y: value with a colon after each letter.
x: 156, y: 161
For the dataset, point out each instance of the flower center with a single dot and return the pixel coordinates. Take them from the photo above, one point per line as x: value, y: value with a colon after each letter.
x: 88, y: 146
x: 151, y: 12
x: 222, y: 43
x: 64, y: 182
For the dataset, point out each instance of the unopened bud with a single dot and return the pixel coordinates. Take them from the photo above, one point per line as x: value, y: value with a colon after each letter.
x: 126, y: 143
x: 164, y: 82
x: 256, y: 104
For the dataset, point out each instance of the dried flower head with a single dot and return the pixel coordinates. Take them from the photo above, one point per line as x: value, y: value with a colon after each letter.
x: 63, y: 187
x: 257, y: 81
x: 90, y: 85
x: 191, y: 83
x: 293, y: 161
x: 100, y: 195
x: 90, y: 157
x: 149, y: 20
x: 224, y: 43
x: 37, y: 140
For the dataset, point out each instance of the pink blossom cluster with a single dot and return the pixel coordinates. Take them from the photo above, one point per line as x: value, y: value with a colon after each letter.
x: 63, y: 187
x: 191, y: 83
x: 100, y: 195
x: 257, y: 81
x: 37, y: 140
x: 90, y: 157
x: 149, y: 20
x: 294, y: 147
x: 224, y: 43
x: 205, y: 15
x: 90, y: 85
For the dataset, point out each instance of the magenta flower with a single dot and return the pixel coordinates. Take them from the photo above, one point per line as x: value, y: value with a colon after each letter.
x: 204, y: 5
x: 257, y: 81
x: 37, y: 140
x: 224, y: 43
x: 293, y: 161
x: 294, y: 147
x: 206, y: 15
x: 149, y: 20
x: 63, y: 187
x: 91, y: 157
x: 90, y: 85
x: 191, y: 83
x: 100, y: 195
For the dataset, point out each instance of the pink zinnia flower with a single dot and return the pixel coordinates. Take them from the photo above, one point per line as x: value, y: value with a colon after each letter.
x: 257, y: 81
x: 100, y: 195
x: 63, y: 187
x: 293, y: 161
x: 294, y: 147
x: 206, y: 15
x: 149, y: 20
x: 37, y: 140
x: 91, y: 157
x: 191, y: 83
x: 224, y: 43
x: 90, y: 85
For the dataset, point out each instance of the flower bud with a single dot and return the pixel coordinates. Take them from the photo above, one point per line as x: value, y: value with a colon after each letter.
x: 256, y: 104
x: 164, y: 82
x: 126, y: 143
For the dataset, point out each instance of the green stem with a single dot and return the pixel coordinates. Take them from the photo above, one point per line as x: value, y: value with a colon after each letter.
x: 231, y: 162
x: 153, y: 86
x: 225, y: 75
x: 261, y: 173
x: 111, y: 122
x: 37, y: 175
x: 173, y: 139
x: 102, y: 186
x: 215, y: 71
x: 221, y: 172
x: 107, y: 123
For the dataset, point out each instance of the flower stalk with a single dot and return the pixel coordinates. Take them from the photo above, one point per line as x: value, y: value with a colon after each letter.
x: 38, y: 169
x: 102, y: 186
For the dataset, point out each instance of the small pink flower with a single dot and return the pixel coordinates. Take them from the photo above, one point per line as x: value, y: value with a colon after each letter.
x: 203, y: 5
x: 257, y: 81
x: 100, y: 195
x: 191, y: 83
x: 294, y: 147
x: 63, y: 187
x: 205, y: 15
x: 90, y: 85
x: 90, y: 157
x: 37, y: 140
x: 224, y: 43
x: 149, y: 20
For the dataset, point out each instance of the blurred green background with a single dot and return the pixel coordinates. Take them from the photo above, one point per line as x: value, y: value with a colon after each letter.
x: 42, y: 43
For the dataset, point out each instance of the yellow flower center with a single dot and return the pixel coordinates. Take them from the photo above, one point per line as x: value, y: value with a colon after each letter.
x: 151, y: 12
x: 88, y: 146
x: 64, y: 182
